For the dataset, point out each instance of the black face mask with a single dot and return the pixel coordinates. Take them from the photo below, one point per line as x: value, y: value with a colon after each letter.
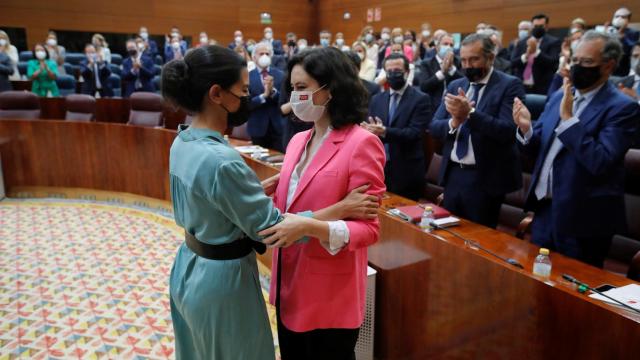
x: 241, y: 115
x: 538, y: 32
x: 132, y: 52
x: 584, y: 77
x: 396, y: 79
x: 474, y: 74
x: 291, y: 43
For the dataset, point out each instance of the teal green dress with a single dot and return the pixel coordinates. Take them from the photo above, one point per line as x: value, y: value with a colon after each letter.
x: 42, y: 85
x: 217, y: 306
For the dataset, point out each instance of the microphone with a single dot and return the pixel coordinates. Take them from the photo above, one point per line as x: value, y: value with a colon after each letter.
x: 582, y: 287
x: 475, y: 244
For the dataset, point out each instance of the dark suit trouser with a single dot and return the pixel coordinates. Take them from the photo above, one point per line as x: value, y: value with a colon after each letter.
x: 321, y: 344
x: 272, y: 139
x: 464, y: 196
x: 410, y: 188
x: 591, y: 249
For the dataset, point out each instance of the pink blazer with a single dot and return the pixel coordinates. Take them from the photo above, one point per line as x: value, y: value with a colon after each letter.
x: 321, y: 291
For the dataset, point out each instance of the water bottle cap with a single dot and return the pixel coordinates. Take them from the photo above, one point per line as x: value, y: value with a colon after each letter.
x: 544, y: 251
x: 428, y: 208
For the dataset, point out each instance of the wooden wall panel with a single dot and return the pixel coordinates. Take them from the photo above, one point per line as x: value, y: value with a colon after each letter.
x: 462, y: 15
x: 218, y: 18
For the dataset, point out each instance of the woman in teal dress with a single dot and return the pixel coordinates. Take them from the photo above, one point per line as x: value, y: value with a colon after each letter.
x: 43, y: 73
x: 217, y: 306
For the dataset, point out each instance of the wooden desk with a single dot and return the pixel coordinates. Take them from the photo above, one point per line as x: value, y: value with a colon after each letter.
x: 436, y: 298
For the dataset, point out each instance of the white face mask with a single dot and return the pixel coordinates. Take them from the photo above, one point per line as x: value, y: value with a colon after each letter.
x: 264, y: 61
x: 3, y: 42
x: 634, y: 65
x: 174, y: 34
x: 426, y: 33
x: 398, y: 39
x: 385, y: 36
x: 144, y: 35
x: 40, y: 55
x: 268, y: 35
x: 339, y: 42
x: 618, y: 22
x: 303, y: 106
x: 204, y: 40
x: 238, y: 39
x: 52, y: 42
x: 302, y: 47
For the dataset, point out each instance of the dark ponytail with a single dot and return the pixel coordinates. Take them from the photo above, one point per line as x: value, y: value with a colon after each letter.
x: 186, y: 82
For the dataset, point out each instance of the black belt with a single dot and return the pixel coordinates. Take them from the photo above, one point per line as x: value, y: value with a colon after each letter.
x: 234, y: 250
x: 462, y: 166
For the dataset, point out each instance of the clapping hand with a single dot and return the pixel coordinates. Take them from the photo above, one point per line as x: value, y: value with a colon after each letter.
x: 458, y: 106
x: 374, y: 126
x: 521, y: 116
x: 566, y: 105
x: 532, y: 45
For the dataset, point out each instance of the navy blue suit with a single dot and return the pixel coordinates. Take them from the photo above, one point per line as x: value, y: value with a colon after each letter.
x: 137, y: 80
x: 168, y: 51
x: 89, y: 84
x: 587, y: 205
x: 628, y: 40
x: 544, y: 65
x: 405, y: 167
x: 477, y: 192
x: 265, y: 120
x: 277, y: 46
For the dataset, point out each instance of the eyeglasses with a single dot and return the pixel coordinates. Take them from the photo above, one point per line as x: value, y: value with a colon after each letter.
x: 584, y: 62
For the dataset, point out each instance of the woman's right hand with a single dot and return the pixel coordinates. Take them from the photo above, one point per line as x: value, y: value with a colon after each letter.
x: 269, y: 185
x: 359, y: 205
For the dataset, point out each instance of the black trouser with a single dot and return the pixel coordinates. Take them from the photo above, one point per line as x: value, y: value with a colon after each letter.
x: 464, y: 196
x: 321, y: 344
x: 589, y: 249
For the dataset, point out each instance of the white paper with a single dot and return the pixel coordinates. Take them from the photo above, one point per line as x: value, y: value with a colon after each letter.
x: 250, y: 149
x: 629, y: 295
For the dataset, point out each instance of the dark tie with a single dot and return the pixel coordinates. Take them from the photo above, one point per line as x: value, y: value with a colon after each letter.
x: 393, y: 106
x: 463, y: 138
x: 264, y: 73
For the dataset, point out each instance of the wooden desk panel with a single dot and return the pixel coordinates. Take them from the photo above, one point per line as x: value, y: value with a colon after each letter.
x: 100, y: 156
x: 436, y: 297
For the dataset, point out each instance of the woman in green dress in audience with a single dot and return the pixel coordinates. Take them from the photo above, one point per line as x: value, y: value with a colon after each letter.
x: 217, y: 307
x: 43, y: 73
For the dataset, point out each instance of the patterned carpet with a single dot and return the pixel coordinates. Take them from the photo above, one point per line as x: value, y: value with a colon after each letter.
x: 81, y: 279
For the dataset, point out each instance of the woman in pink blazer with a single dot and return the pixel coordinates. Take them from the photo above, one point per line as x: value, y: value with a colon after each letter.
x: 318, y: 284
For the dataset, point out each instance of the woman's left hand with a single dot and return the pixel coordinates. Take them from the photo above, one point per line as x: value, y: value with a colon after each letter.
x: 286, y: 232
x: 269, y: 185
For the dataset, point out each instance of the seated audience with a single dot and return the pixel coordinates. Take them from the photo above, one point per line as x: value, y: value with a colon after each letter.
x: 137, y: 70
x: 42, y: 72
x: 95, y: 72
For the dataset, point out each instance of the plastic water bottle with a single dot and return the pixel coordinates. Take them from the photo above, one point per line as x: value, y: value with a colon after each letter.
x: 427, y: 218
x: 542, y: 264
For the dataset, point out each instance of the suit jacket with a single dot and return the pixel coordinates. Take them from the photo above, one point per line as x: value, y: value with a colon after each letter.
x: 89, y: 84
x: 544, y: 65
x: 168, y: 51
x: 372, y: 88
x: 404, y: 136
x: 319, y: 290
x: 492, y: 133
x: 628, y: 40
x: 588, y: 173
x: 431, y: 85
x: 144, y: 75
x: 264, y: 111
x: 6, y: 69
x: 277, y: 46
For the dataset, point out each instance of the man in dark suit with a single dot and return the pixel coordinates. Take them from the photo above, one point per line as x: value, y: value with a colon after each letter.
x: 627, y: 36
x: 630, y: 85
x: 580, y: 140
x: 238, y: 40
x: 265, y: 121
x: 150, y: 45
x: 480, y: 159
x: 439, y: 71
x: 275, y: 44
x: 95, y: 72
x: 535, y: 59
x: 400, y: 116
x: 137, y: 70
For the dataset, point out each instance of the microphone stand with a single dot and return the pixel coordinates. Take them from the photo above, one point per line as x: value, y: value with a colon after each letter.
x: 573, y: 280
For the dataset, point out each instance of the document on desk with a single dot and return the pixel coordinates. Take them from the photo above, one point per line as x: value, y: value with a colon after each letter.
x: 250, y: 149
x: 629, y: 294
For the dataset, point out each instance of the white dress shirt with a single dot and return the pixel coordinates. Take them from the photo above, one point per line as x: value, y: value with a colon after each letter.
x: 440, y: 75
x: 470, y: 158
x: 338, y: 230
x: 544, y: 186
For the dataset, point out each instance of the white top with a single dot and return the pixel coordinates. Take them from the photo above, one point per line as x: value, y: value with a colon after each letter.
x: 12, y: 52
x: 338, y: 230
x: 470, y: 158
